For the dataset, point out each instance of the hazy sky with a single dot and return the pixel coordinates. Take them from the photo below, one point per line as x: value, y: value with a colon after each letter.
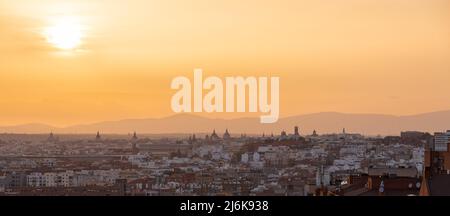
x: 354, y: 56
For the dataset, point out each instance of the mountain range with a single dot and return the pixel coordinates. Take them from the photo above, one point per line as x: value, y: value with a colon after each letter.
x: 324, y: 122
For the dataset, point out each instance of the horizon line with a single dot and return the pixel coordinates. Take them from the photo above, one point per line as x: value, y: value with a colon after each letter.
x: 205, y: 117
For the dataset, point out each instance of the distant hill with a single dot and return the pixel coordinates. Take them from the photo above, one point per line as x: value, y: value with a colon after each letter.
x: 28, y: 128
x: 326, y: 122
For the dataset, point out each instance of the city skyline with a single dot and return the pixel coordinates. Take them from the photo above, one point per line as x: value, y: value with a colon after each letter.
x: 325, y: 122
x: 287, y: 164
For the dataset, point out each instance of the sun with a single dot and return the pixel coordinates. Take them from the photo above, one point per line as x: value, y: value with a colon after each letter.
x: 65, y: 33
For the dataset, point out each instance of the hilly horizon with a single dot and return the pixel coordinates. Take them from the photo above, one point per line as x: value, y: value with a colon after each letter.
x: 323, y: 122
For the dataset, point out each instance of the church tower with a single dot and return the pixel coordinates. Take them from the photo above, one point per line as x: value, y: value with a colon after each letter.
x: 226, y: 135
x: 214, y: 135
x: 134, y: 140
x: 315, y: 133
x: 296, y: 133
x: 98, y: 137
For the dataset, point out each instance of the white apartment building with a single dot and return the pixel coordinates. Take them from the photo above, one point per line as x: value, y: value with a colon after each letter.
x: 51, y: 179
x: 36, y: 180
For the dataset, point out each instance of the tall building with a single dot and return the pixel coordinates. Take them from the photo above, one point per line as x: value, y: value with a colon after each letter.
x: 441, y: 141
x: 134, y: 140
x: 296, y: 133
x: 437, y: 167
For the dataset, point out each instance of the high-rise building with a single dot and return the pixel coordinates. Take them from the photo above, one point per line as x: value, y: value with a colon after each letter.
x: 437, y: 167
x: 441, y: 141
x: 134, y: 140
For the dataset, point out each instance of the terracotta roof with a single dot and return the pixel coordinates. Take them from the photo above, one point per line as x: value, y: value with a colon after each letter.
x: 399, y: 172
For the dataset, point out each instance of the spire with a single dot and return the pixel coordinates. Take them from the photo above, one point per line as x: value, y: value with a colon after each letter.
x: 214, y: 135
x: 51, y: 137
x: 226, y: 135
x: 98, y: 136
x: 135, y: 136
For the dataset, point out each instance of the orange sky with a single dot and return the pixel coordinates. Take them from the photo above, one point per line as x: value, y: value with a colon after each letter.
x: 354, y: 56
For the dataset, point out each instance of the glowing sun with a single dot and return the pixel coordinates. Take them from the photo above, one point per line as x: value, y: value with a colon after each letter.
x: 65, y: 33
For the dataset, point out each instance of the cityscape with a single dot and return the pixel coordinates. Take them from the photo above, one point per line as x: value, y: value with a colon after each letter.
x: 291, y: 163
x: 224, y: 107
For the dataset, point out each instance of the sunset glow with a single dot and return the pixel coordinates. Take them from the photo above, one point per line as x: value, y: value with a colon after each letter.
x: 65, y: 33
x: 66, y: 62
x: 243, y: 99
